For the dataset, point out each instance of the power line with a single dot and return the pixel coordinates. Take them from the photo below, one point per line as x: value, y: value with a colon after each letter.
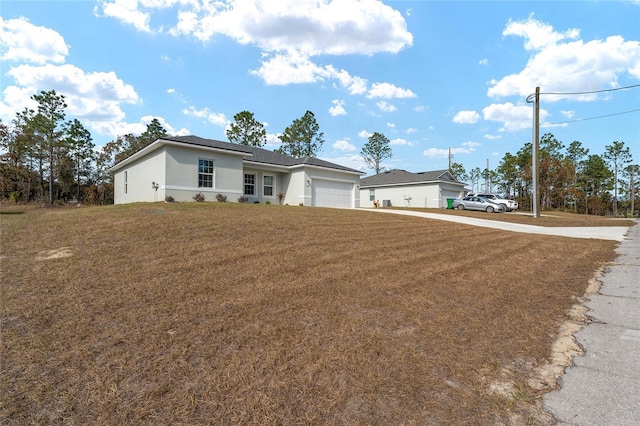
x: 595, y: 118
x: 591, y: 91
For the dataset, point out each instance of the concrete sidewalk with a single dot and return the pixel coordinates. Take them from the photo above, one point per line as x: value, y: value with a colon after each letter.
x: 603, y: 386
x: 615, y: 233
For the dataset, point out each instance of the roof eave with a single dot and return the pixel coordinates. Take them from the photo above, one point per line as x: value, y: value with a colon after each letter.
x: 167, y: 142
x: 377, y: 185
x: 313, y: 166
x: 271, y: 166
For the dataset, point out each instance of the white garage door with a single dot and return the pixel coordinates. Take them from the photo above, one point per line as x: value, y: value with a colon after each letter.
x: 328, y: 193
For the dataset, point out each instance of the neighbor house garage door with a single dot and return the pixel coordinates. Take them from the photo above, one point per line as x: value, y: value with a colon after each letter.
x: 328, y: 193
x: 448, y: 194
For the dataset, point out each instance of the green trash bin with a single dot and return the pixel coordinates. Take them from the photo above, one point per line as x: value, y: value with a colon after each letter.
x: 450, y: 203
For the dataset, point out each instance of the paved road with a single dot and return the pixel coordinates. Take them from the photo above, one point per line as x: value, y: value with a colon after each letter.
x: 615, y: 233
x: 602, y: 388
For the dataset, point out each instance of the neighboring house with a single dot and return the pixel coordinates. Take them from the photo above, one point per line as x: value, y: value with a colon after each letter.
x: 183, y: 166
x: 405, y: 189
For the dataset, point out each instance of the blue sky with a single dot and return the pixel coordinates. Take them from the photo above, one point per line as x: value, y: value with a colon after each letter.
x: 430, y: 75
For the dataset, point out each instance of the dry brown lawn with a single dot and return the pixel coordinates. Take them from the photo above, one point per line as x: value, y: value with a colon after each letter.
x: 194, y: 313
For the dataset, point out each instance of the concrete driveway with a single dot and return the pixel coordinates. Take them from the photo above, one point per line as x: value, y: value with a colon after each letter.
x: 615, y: 233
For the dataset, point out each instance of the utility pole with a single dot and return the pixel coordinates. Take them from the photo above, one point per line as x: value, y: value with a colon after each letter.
x: 449, y: 159
x: 536, y: 149
x: 487, y: 179
x: 633, y: 192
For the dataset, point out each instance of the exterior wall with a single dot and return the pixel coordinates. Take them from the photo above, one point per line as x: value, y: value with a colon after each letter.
x: 334, y: 175
x: 299, y: 192
x: 172, y: 170
x: 182, y: 174
x: 279, y: 185
x: 134, y: 183
x: 432, y: 195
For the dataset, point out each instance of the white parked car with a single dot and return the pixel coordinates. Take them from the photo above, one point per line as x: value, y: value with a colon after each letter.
x: 509, y: 205
x: 477, y: 203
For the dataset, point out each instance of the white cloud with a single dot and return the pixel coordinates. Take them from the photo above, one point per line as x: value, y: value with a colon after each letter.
x: 436, y: 153
x: 123, y: 128
x: 294, y: 67
x: 273, y: 141
x: 94, y: 98
x: 22, y: 41
x: 126, y: 11
x: 344, y: 145
x: 467, y: 148
x: 69, y: 79
x: 354, y: 85
x: 492, y: 137
x: 168, y: 127
x: 352, y: 161
x: 337, y: 108
x: 562, y: 63
x: 513, y: 117
x: 411, y: 130
x: 391, y: 125
x: 568, y: 114
x: 385, y: 106
x: 15, y: 99
x: 309, y: 26
x: 217, y: 118
x: 466, y: 117
x: 537, y: 35
x: 401, y: 142
x: 388, y: 91
x: 290, y: 68
x: 364, y: 134
x: 483, y: 62
x: 289, y: 32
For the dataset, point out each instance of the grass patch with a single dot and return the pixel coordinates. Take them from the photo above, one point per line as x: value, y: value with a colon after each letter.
x: 228, y: 313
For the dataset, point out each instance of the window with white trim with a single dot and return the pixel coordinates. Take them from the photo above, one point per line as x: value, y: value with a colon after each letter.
x: 126, y: 181
x: 205, y: 173
x: 267, y: 185
x: 372, y: 194
x: 249, y: 184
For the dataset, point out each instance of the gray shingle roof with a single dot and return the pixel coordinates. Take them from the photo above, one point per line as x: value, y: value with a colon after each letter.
x: 399, y: 177
x: 210, y: 143
x: 260, y: 155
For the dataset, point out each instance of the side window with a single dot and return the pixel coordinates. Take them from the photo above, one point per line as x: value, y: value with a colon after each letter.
x: 372, y: 194
x: 205, y: 173
x: 249, y: 184
x: 267, y: 186
x: 126, y: 181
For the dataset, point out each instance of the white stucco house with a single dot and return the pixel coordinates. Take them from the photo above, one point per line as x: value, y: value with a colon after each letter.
x: 400, y: 188
x: 183, y: 166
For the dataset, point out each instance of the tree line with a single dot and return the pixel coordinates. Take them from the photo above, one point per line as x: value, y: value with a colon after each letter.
x: 47, y: 159
x: 569, y: 178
